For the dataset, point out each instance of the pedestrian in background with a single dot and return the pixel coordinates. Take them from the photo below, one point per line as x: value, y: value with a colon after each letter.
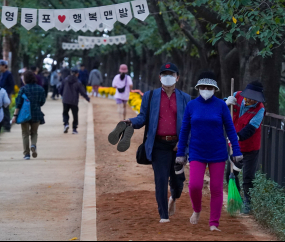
x: 4, y: 102
x: 95, y: 79
x: 206, y: 117
x: 124, y: 84
x: 70, y: 89
x: 7, y: 82
x: 36, y: 96
x: 45, y: 79
x: 54, y: 82
x: 35, y: 70
x: 83, y: 76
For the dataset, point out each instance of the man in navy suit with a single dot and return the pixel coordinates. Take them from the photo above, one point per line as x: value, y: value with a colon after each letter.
x: 165, y: 119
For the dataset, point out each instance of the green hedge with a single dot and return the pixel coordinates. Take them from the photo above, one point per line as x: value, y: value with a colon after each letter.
x: 268, y: 204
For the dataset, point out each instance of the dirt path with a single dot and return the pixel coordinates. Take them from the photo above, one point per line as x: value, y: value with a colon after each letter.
x: 126, y: 204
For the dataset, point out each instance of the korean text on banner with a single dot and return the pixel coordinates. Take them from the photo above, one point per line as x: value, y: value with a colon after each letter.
x: 9, y: 16
x: 77, y: 18
x: 140, y: 9
x: 108, y: 15
x: 29, y: 18
x: 124, y: 12
x: 46, y: 19
x: 93, y: 18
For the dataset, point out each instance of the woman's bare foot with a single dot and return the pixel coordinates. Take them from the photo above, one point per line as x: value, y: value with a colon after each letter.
x: 195, y: 218
x: 214, y: 228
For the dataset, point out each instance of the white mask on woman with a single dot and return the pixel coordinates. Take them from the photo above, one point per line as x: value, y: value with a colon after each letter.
x: 207, y: 94
x: 168, y: 80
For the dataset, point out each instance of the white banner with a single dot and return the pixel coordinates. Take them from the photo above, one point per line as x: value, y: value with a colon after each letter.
x: 108, y: 15
x: 9, y: 16
x: 46, y: 19
x: 93, y: 17
x: 140, y: 9
x: 86, y: 40
x: 77, y: 18
x: 29, y: 18
x: 61, y: 19
x: 124, y: 12
x: 76, y: 46
x: 98, y: 18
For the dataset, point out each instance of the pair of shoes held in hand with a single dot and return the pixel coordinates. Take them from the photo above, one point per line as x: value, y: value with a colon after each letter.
x: 122, y: 134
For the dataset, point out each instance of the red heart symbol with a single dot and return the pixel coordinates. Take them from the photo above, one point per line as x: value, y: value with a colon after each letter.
x: 105, y: 40
x: 61, y: 18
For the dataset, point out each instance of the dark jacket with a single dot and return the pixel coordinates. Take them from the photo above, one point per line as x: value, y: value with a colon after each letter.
x: 83, y: 77
x: 7, y: 82
x: 37, y: 97
x: 70, y: 90
x: 39, y: 80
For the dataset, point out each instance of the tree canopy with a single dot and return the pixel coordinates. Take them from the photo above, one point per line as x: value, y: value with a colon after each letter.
x: 241, y: 39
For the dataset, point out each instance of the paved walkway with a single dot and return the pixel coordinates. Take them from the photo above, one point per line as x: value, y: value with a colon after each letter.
x: 41, y: 199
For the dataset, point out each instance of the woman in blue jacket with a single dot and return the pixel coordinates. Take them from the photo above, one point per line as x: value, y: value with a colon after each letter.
x: 206, y: 117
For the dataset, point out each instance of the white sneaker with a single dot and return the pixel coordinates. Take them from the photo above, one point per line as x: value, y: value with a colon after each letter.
x: 66, y: 128
x: 163, y: 221
x: 171, y: 207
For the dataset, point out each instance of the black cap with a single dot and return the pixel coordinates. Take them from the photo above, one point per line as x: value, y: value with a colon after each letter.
x: 3, y: 63
x: 254, y: 91
x: 169, y: 67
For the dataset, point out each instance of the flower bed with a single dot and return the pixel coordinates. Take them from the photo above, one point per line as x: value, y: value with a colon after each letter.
x: 135, y: 99
x: 13, y: 100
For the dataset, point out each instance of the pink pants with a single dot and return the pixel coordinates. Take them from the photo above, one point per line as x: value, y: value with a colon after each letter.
x: 197, y: 172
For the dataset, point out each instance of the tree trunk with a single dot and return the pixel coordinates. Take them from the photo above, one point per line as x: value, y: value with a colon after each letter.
x: 15, y: 65
x: 271, y: 77
x: 250, y: 62
x: 26, y: 60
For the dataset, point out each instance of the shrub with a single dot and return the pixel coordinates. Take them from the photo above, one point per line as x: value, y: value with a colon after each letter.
x: 268, y: 204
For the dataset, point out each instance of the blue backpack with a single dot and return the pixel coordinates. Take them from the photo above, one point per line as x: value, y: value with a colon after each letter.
x: 25, y: 112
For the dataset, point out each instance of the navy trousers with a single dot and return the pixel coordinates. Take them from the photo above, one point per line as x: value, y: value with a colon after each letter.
x: 6, y: 121
x: 163, y: 160
x: 250, y: 163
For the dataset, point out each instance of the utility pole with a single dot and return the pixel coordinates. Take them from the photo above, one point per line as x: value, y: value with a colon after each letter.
x: 6, y: 40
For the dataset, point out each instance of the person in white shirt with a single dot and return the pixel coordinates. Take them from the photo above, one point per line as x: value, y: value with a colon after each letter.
x: 4, y: 103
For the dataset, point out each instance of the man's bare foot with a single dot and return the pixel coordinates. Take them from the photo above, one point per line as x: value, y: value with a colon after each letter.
x: 195, y: 218
x: 163, y: 221
x: 214, y: 228
x: 171, y: 207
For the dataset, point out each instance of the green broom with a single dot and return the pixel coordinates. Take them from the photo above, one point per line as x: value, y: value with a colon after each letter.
x: 234, y: 198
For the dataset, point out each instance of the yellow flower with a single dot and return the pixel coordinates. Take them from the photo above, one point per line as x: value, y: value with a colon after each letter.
x: 258, y: 32
x: 234, y: 20
x: 89, y: 89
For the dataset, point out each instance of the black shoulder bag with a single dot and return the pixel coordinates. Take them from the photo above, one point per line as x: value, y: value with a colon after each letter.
x: 122, y: 90
x: 141, y: 153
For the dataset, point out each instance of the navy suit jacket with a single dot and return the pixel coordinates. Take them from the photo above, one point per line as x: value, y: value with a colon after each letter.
x: 182, y: 100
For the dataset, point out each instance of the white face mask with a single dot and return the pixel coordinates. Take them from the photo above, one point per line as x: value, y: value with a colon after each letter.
x: 168, y: 81
x: 207, y: 94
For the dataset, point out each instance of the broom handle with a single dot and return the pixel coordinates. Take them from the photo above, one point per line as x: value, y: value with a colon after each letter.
x: 232, y: 114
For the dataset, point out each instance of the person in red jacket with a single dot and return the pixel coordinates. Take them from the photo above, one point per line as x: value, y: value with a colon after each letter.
x: 249, y: 112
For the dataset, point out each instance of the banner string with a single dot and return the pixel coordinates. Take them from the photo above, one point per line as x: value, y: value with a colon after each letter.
x: 160, y: 13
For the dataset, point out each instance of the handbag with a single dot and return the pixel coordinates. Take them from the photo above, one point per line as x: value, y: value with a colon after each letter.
x: 141, y: 153
x: 25, y: 112
x: 122, y: 90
